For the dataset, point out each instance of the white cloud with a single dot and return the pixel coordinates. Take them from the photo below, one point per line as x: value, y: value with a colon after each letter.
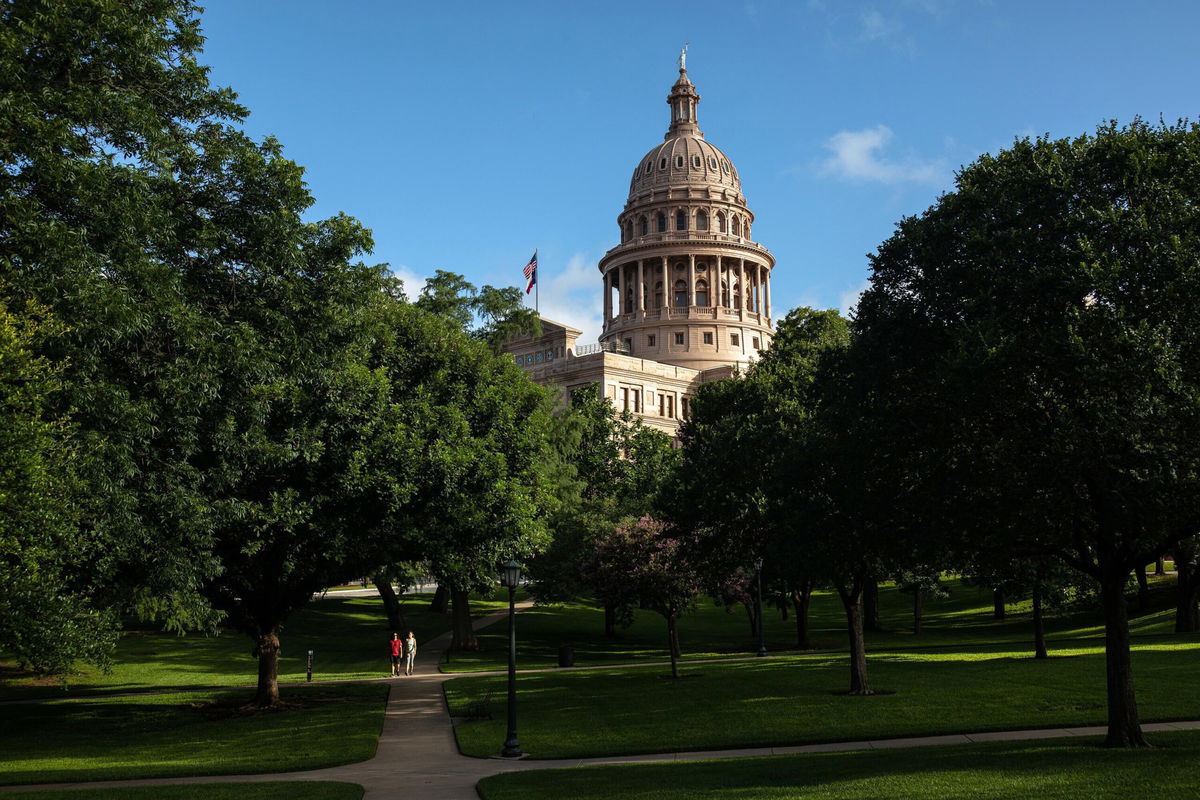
x: 858, y: 156
x: 875, y: 27
x: 573, y: 296
x: 413, y: 283
x: 848, y: 300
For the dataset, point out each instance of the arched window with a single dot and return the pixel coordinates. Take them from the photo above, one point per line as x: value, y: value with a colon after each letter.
x: 681, y: 294
x: 628, y: 231
x: 662, y: 222
x: 680, y: 220
x: 721, y: 222
x: 747, y: 228
x: 702, y: 293
x: 737, y: 295
x: 658, y: 294
x: 737, y: 227
x: 701, y: 221
x: 643, y: 225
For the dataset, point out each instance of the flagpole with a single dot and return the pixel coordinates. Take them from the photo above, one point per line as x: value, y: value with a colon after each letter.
x: 537, y: 289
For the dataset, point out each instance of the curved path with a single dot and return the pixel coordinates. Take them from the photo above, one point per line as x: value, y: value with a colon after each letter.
x: 418, y: 758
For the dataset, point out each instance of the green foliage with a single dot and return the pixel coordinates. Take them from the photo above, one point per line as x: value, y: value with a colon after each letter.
x: 48, y: 618
x: 490, y: 314
x: 1044, y: 315
x: 606, y: 466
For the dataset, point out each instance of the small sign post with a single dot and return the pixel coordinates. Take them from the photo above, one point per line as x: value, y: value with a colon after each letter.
x: 310, y: 655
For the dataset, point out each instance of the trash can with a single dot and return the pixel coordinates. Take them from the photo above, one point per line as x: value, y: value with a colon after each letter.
x: 566, y: 656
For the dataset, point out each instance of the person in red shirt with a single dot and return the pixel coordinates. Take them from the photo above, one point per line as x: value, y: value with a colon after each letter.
x: 396, y: 646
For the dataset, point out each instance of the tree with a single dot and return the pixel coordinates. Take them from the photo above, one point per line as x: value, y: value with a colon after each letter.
x: 48, y: 615
x: 1187, y: 576
x: 106, y: 123
x: 607, y: 466
x: 1043, y: 316
x: 810, y: 489
x: 478, y: 425
x: 490, y: 314
x: 640, y: 560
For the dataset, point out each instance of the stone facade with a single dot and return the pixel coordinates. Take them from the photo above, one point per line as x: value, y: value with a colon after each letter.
x: 687, y: 293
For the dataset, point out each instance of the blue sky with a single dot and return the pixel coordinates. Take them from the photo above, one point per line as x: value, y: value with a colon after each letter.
x: 465, y: 134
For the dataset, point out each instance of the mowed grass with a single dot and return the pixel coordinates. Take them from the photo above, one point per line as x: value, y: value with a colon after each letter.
x: 1053, y: 770
x: 962, y: 618
x: 797, y: 700
x: 201, y: 733
x: 348, y: 637
x: 275, y: 790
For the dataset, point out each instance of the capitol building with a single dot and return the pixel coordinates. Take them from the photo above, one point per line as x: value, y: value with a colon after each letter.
x: 687, y: 292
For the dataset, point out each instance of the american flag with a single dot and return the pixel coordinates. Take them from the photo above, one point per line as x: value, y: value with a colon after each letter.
x: 531, y: 273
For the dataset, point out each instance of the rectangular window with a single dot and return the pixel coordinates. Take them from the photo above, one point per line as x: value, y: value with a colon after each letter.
x: 650, y: 340
x: 734, y: 339
x: 708, y: 338
x: 662, y: 404
x: 756, y: 347
x: 624, y: 398
x: 637, y: 399
x: 679, y: 338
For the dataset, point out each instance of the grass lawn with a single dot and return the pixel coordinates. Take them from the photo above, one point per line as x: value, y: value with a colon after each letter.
x: 148, y: 736
x: 347, y: 634
x: 794, y: 700
x: 963, y: 618
x: 1010, y: 771
x: 277, y: 790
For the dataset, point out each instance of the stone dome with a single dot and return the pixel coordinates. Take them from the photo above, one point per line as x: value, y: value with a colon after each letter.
x: 684, y: 160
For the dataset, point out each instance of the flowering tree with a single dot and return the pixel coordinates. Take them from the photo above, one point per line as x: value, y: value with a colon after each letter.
x: 640, y: 561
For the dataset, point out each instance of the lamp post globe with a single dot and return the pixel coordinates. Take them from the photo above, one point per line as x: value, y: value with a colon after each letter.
x: 510, y: 577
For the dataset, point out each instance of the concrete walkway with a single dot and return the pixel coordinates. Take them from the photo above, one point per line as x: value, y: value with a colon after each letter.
x: 418, y: 758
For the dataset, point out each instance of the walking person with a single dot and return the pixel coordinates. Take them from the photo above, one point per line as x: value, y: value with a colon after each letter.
x: 410, y: 653
x: 396, y: 648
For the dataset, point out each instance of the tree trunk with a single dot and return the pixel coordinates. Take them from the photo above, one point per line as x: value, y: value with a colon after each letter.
x: 1160, y: 567
x: 267, y: 649
x: 852, y: 601
x: 1143, y: 587
x: 870, y: 597
x: 391, y: 604
x: 610, y: 619
x: 441, y: 600
x: 754, y: 622
x: 918, y: 608
x: 801, y: 599
x: 1187, y: 601
x: 1039, y: 630
x: 464, y: 635
x: 673, y: 644
x: 1124, y: 728
x: 998, y: 610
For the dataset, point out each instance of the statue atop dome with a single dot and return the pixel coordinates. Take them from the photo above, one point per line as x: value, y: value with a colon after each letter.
x: 683, y: 57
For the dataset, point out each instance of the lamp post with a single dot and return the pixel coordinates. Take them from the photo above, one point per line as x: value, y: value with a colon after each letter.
x: 510, y: 578
x: 762, y: 645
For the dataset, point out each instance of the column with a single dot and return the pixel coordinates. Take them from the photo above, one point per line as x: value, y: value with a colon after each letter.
x: 641, y: 286
x: 691, y: 282
x: 767, y: 290
x: 742, y: 287
x: 607, y: 298
x: 758, y: 289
